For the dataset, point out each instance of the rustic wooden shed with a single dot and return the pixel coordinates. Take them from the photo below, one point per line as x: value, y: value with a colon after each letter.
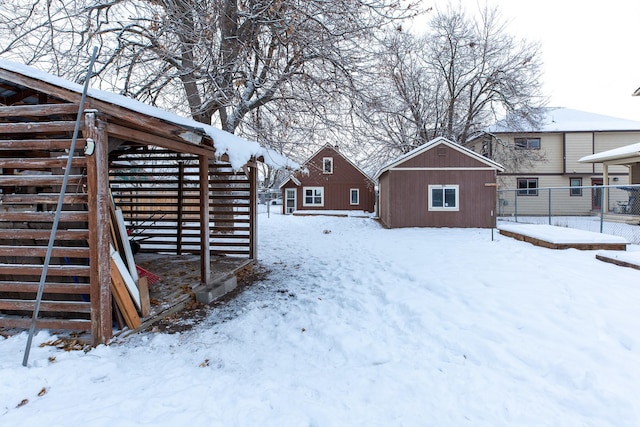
x: 169, y: 177
x: 328, y: 181
x: 439, y: 184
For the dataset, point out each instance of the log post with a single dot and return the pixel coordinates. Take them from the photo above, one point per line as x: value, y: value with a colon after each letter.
x: 98, y: 207
x: 205, y: 232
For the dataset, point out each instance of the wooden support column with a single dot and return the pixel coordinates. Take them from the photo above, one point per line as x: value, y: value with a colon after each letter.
x: 605, y: 190
x: 253, y: 208
x: 205, y: 232
x: 180, y: 207
x: 98, y: 207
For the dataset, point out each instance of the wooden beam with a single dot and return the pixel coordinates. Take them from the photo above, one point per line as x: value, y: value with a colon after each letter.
x: 122, y: 297
x: 205, y: 247
x: 38, y: 110
x: 37, y: 127
x: 98, y: 235
x: 141, y: 137
x: 40, y: 144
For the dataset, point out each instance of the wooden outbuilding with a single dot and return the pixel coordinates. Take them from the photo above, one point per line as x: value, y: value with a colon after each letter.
x: 178, y: 185
x: 439, y: 184
x: 328, y: 181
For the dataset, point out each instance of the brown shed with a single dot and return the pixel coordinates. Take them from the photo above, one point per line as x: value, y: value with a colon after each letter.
x: 439, y: 184
x: 328, y: 181
x: 178, y: 184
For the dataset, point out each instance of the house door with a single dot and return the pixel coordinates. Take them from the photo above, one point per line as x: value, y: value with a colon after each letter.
x: 290, y: 200
x: 596, y: 194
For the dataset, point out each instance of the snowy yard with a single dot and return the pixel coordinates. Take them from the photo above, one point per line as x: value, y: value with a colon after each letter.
x: 357, y: 325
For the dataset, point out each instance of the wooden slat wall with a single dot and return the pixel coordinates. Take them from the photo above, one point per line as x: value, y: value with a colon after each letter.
x: 160, y: 200
x: 32, y: 158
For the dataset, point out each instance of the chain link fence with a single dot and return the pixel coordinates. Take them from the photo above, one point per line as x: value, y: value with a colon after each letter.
x: 609, y: 209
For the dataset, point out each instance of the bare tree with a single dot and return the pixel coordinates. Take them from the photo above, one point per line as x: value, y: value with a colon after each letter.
x: 216, y: 60
x: 463, y: 74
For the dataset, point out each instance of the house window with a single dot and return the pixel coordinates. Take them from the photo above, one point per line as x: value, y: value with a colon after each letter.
x: 575, y: 182
x: 527, y: 186
x: 355, y: 196
x: 327, y: 165
x: 444, y: 198
x: 313, y: 196
x: 527, y: 143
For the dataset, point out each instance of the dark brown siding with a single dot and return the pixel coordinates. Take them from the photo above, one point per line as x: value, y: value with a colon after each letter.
x: 337, y: 185
x: 441, y: 156
x: 404, y: 193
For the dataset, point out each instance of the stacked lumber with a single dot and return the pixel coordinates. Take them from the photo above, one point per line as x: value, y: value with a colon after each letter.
x: 130, y: 292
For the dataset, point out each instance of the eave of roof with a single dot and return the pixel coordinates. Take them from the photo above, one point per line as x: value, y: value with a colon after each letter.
x: 429, y: 145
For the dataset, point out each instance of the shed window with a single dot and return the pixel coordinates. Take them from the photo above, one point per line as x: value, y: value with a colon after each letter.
x: 327, y: 165
x: 527, y: 186
x: 577, y: 183
x: 355, y: 196
x: 444, y: 198
x: 313, y: 196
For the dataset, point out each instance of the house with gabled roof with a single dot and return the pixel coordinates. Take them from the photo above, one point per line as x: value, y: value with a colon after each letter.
x: 559, y: 142
x: 439, y: 184
x: 328, y: 181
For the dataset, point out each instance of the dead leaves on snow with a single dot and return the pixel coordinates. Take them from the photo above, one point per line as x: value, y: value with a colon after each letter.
x: 41, y: 393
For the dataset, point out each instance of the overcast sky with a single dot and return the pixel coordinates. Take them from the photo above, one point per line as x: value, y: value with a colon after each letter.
x: 589, y: 49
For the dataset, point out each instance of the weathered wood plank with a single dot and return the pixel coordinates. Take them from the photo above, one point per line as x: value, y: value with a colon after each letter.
x: 46, y: 198
x: 49, y: 287
x: 129, y: 134
x: 39, y: 180
x: 123, y: 298
x: 38, y: 110
x: 617, y: 262
x: 40, y: 144
x: 50, y: 306
x: 41, y: 163
x: 37, y: 127
x: 49, y: 216
x: 24, y: 233
x: 41, y: 251
x: 45, y: 323
x: 52, y: 270
x: 551, y: 245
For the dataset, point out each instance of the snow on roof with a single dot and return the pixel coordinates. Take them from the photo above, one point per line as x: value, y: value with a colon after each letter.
x: 431, y: 144
x: 567, y: 120
x: 239, y: 150
x: 627, y: 151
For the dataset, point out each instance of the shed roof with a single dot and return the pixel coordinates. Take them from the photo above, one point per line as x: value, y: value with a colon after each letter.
x: 239, y: 150
x: 433, y: 143
x: 621, y: 155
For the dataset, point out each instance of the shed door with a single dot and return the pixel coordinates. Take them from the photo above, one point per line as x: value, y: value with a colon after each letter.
x: 290, y: 200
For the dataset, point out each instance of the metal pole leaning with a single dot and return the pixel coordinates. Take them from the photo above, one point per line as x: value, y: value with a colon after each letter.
x: 56, y: 220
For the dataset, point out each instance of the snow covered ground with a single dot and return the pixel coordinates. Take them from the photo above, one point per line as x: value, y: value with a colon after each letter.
x: 357, y: 325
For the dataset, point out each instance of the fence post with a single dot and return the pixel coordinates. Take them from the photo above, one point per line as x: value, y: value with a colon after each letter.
x: 549, y: 206
x: 515, y: 205
x: 602, y: 209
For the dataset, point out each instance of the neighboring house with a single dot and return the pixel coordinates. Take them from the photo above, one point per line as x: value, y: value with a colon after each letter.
x: 439, y: 184
x: 564, y: 137
x: 328, y: 181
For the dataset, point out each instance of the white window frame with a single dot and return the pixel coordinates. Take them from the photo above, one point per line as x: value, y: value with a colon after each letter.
x: 325, y: 161
x: 304, y: 196
x: 444, y: 187
x: 357, y: 202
